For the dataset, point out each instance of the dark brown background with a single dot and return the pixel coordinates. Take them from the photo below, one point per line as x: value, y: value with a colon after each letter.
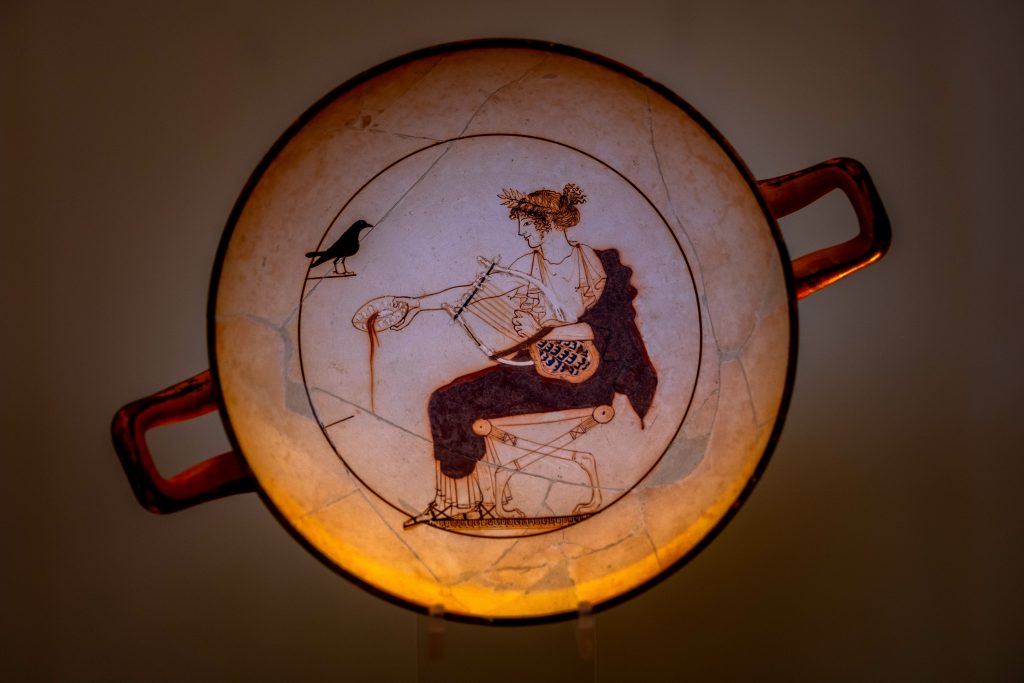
x: 884, y: 541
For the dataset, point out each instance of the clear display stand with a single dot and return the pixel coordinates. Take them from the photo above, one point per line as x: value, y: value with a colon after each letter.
x: 450, y: 651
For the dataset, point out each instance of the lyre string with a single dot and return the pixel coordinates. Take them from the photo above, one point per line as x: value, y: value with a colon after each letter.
x: 495, y: 308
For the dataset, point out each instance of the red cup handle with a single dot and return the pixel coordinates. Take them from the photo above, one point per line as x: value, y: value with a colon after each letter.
x: 792, y: 192
x: 223, y: 475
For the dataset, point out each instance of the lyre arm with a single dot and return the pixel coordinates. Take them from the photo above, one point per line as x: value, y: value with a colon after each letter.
x: 454, y: 313
x: 487, y: 350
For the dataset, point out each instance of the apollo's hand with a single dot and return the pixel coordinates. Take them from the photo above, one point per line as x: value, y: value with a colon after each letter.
x: 525, y: 324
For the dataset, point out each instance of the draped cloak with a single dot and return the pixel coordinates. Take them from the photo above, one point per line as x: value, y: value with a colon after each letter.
x: 506, y: 390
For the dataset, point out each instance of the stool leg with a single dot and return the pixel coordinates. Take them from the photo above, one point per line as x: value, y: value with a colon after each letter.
x: 588, y: 463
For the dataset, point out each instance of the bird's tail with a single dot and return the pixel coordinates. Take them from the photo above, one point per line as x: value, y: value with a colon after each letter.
x: 314, y: 254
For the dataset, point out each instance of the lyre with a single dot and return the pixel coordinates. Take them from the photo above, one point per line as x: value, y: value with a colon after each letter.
x: 487, y: 312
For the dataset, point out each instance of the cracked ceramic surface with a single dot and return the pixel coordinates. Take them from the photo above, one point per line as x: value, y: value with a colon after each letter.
x: 344, y: 447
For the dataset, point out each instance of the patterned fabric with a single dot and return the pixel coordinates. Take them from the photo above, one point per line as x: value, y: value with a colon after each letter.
x: 570, y: 360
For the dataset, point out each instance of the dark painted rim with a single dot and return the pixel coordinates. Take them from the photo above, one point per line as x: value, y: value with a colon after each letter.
x: 542, y: 46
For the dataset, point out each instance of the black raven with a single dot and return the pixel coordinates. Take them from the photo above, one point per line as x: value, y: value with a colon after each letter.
x: 347, y: 245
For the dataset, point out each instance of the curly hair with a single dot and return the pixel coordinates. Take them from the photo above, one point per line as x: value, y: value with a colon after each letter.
x: 549, y: 208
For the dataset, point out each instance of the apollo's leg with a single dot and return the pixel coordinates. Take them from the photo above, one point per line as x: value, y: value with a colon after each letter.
x: 488, y: 487
x: 500, y: 473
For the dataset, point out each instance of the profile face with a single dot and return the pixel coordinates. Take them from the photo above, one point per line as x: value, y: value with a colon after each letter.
x: 531, y: 232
